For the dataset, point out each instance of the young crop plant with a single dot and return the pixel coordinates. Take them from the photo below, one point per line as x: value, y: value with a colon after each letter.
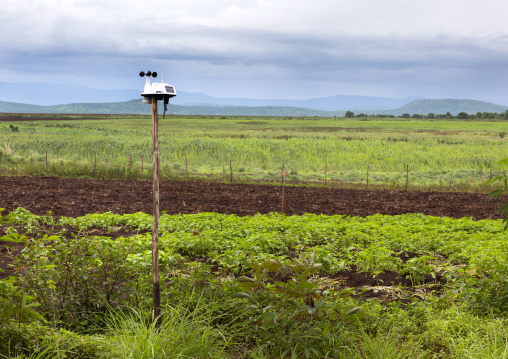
x: 287, y: 306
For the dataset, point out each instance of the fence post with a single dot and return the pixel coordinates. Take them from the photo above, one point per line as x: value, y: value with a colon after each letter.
x: 46, y: 161
x: 95, y: 163
x: 451, y: 179
x: 142, y: 163
x: 282, y: 173
x: 326, y: 169
x: 407, y: 175
x: 186, y: 170
x: 367, y: 176
x: 230, y: 171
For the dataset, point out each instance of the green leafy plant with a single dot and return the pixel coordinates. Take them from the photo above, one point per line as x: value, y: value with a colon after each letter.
x: 416, y: 269
x: 285, y: 305
x: 16, y: 307
x: 504, y: 189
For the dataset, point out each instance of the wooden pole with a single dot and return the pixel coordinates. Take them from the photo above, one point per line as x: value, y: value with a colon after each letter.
x: 186, y: 170
x: 282, y: 174
x: 95, y: 163
x: 407, y: 175
x: 142, y: 163
x: 367, y: 176
x: 155, y: 224
x: 46, y: 160
x: 230, y: 171
x: 451, y: 179
x: 326, y: 169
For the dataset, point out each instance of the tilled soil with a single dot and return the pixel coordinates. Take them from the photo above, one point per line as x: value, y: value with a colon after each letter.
x: 76, y: 197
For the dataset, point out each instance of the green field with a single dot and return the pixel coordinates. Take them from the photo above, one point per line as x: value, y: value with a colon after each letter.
x: 445, y: 154
x: 93, y: 288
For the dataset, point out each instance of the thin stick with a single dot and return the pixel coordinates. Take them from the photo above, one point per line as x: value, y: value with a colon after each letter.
x: 407, y: 175
x: 367, y: 176
x: 46, y: 160
x: 95, y: 163
x: 326, y: 169
x: 230, y: 171
x: 155, y: 224
x: 282, y: 174
x: 142, y: 162
x: 451, y: 179
x: 186, y: 170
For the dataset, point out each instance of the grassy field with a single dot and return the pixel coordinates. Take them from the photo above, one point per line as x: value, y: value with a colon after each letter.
x: 438, y: 153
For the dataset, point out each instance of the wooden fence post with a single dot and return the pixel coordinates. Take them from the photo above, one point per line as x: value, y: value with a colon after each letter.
x: 95, y: 163
x: 186, y: 170
x: 282, y: 173
x: 367, y: 176
x: 451, y: 179
x: 46, y: 160
x: 230, y: 171
x: 326, y: 169
x: 407, y: 175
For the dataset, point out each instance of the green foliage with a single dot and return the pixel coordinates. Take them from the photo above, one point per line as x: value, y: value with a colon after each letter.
x: 285, y: 312
x: 283, y: 306
x: 15, y: 306
x: 345, y: 147
x: 77, y: 279
x: 36, y: 341
x: 187, y: 330
x: 504, y: 189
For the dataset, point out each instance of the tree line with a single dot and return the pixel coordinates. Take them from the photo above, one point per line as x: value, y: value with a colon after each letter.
x: 431, y: 115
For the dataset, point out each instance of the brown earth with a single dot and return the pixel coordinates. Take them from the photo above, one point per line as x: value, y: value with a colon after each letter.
x: 76, y: 197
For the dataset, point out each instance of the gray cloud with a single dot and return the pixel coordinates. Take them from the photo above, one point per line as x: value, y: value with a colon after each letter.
x: 264, y: 48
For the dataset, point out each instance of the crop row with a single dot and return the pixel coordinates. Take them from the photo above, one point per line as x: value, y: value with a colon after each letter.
x: 373, y: 244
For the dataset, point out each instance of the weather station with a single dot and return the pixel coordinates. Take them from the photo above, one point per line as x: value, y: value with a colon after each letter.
x: 159, y: 91
x: 152, y: 93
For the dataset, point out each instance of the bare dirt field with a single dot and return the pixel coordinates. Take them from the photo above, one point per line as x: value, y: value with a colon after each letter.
x: 76, y: 197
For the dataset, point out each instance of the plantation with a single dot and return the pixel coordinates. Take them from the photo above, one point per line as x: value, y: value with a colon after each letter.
x: 446, y: 154
x: 262, y: 286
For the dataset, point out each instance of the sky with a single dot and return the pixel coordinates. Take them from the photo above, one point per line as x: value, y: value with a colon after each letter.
x: 287, y: 49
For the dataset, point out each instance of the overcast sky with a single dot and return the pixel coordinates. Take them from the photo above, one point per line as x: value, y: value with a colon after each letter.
x: 294, y: 49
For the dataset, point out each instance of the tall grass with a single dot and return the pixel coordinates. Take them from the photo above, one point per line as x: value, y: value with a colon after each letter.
x: 184, y: 333
x: 259, y: 147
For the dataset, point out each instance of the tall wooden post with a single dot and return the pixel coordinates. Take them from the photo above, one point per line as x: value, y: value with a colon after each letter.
x: 155, y: 224
x: 230, y: 171
x: 367, y: 176
x: 407, y: 175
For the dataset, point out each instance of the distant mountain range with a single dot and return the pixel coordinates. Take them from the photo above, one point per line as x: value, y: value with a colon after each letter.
x: 49, y: 98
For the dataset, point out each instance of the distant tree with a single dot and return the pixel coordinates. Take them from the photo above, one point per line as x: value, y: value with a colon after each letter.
x: 406, y: 115
x: 462, y: 115
x: 417, y: 115
x: 430, y: 115
x: 505, y: 115
x: 361, y: 115
x: 350, y: 114
x: 449, y: 115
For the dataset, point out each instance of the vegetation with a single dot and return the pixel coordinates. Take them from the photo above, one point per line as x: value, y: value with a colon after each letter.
x: 445, y: 153
x: 266, y: 286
